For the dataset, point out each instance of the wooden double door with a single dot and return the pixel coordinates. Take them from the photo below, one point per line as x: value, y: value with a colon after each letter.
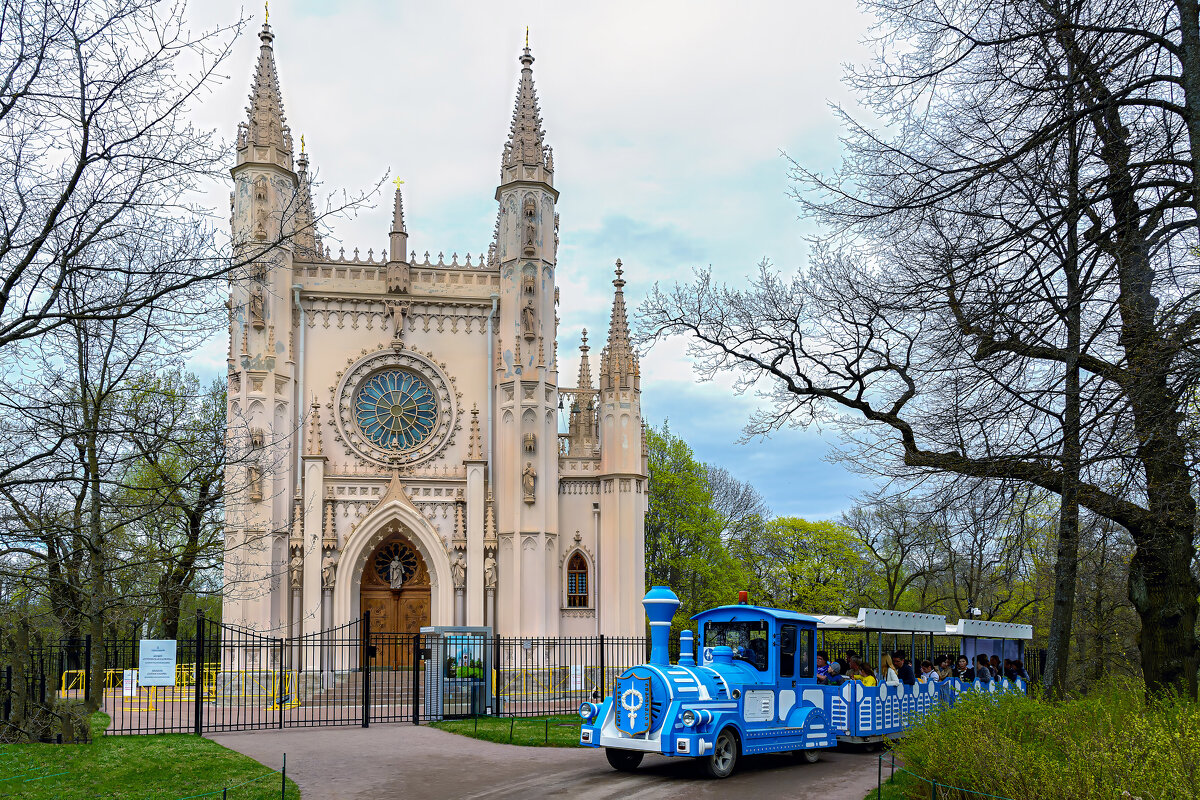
x: 398, y: 608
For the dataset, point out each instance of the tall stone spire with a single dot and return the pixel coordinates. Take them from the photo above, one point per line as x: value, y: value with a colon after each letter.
x: 265, y: 135
x: 585, y: 368
x: 398, y: 214
x: 307, y: 238
x: 619, y: 362
x: 526, y: 144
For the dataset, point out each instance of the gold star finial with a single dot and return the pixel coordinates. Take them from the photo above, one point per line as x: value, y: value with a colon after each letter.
x: 397, y: 181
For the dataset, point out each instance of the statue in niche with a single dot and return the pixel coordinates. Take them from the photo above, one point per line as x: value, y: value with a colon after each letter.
x: 328, y: 567
x: 256, y: 308
x: 529, y: 321
x: 489, y: 571
x: 528, y: 240
x: 260, y: 207
x: 459, y: 570
x: 297, y: 569
x: 254, y: 480
x: 529, y: 482
x: 399, y: 314
x: 396, y: 573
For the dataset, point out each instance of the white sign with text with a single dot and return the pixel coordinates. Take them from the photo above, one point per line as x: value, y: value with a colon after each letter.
x: 156, y: 662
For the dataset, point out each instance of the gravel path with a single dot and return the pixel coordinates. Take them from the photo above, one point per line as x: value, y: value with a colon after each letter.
x: 407, y: 761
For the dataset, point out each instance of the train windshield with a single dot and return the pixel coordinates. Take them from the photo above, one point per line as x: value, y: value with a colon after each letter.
x: 748, y: 640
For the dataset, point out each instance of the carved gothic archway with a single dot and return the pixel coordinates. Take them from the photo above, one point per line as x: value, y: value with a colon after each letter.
x: 397, y: 607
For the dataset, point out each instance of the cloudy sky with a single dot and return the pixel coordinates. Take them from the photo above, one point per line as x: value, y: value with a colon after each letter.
x: 667, y: 119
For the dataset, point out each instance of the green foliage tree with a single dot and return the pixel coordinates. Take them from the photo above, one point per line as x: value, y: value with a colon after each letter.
x: 818, y: 567
x: 684, y: 549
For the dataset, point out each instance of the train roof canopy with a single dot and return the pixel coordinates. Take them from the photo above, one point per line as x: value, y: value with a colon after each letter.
x: 888, y: 621
x: 777, y: 613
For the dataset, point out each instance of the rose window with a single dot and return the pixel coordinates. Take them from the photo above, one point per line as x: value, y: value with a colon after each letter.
x: 396, y: 410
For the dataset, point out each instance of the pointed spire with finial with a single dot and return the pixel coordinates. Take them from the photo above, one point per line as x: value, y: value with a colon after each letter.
x: 585, y: 367
x: 618, y: 361
x: 398, y: 211
x: 307, y: 239
x: 266, y: 125
x: 526, y: 140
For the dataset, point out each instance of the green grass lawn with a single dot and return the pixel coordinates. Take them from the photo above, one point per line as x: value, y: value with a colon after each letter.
x: 559, y: 731
x: 902, y: 786
x: 164, y: 766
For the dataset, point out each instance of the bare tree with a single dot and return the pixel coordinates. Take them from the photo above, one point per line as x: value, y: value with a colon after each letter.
x: 935, y: 330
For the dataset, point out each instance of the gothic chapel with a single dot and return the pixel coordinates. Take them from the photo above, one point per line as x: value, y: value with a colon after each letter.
x: 401, y: 416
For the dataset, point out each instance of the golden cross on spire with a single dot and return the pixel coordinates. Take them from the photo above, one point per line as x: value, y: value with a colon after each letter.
x: 397, y: 181
x: 266, y: 11
x: 302, y: 143
x: 526, y: 37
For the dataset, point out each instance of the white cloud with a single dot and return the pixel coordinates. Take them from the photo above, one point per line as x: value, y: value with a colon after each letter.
x: 666, y: 118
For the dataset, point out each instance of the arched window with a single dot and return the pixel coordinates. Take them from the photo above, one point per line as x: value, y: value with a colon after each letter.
x: 577, y: 581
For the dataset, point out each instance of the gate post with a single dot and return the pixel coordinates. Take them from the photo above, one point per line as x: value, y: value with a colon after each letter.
x: 281, y: 683
x: 416, y: 679
x: 602, y: 692
x: 496, y: 673
x: 366, y: 668
x: 198, y: 676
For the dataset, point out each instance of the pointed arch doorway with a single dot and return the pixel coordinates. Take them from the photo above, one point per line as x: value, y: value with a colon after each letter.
x: 395, y: 589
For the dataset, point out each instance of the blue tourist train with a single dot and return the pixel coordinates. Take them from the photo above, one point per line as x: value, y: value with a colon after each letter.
x: 754, y: 689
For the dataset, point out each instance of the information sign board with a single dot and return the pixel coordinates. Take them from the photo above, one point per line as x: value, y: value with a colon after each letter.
x: 129, y: 683
x: 156, y: 662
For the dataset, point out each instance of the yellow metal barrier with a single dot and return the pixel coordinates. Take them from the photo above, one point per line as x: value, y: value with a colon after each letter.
x: 73, y: 680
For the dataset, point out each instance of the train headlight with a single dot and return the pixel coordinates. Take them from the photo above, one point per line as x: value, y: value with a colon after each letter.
x: 586, y: 711
x: 688, y: 718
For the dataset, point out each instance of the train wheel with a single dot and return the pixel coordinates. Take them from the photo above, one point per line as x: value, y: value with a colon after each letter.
x: 724, y: 756
x: 811, y: 756
x: 623, y: 760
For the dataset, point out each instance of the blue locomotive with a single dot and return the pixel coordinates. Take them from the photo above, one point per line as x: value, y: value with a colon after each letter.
x: 753, y: 690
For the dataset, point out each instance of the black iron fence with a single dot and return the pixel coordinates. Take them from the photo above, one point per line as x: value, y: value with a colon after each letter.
x: 229, y: 678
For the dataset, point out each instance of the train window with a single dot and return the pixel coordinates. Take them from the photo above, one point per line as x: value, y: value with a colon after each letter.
x: 748, y: 640
x: 806, y: 654
x: 787, y: 651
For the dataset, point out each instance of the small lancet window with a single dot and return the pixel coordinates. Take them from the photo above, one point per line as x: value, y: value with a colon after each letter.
x: 577, y: 582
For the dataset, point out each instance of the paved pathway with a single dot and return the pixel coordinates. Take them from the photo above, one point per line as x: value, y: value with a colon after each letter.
x: 405, y: 761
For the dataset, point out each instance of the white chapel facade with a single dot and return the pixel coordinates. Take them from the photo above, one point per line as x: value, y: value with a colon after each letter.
x: 396, y: 418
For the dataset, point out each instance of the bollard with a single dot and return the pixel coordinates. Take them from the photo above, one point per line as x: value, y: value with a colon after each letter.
x: 283, y: 779
x: 879, y: 780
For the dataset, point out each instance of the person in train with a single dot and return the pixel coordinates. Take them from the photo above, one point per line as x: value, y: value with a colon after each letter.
x: 982, y: 670
x: 928, y: 673
x: 822, y: 666
x: 888, y: 670
x: 903, y: 668
x: 962, y: 669
x: 834, y: 676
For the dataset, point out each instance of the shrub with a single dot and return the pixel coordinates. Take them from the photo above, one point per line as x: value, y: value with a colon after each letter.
x: 1104, y: 745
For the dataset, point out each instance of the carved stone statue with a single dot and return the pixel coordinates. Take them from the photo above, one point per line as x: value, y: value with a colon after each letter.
x: 260, y: 208
x: 528, y: 321
x: 396, y: 573
x: 399, y: 311
x: 529, y: 481
x: 528, y: 241
x: 489, y: 571
x: 328, y: 568
x: 297, y: 569
x: 459, y: 570
x: 256, y: 307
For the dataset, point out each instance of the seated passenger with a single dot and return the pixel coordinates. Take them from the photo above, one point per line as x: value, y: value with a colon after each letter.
x: 994, y: 666
x: 983, y: 672
x: 867, y: 675
x: 962, y: 669
x: 834, y: 676
x: 944, y: 667
x: 822, y: 666
x: 1008, y: 669
x: 758, y: 653
x: 888, y: 670
x: 928, y: 673
x: 903, y: 668
x: 1019, y: 670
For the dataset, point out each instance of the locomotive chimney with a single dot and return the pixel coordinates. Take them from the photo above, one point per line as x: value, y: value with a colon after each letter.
x: 660, y: 604
x: 686, y: 659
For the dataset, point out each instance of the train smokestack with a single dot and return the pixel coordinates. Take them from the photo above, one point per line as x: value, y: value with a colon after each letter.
x: 660, y: 604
